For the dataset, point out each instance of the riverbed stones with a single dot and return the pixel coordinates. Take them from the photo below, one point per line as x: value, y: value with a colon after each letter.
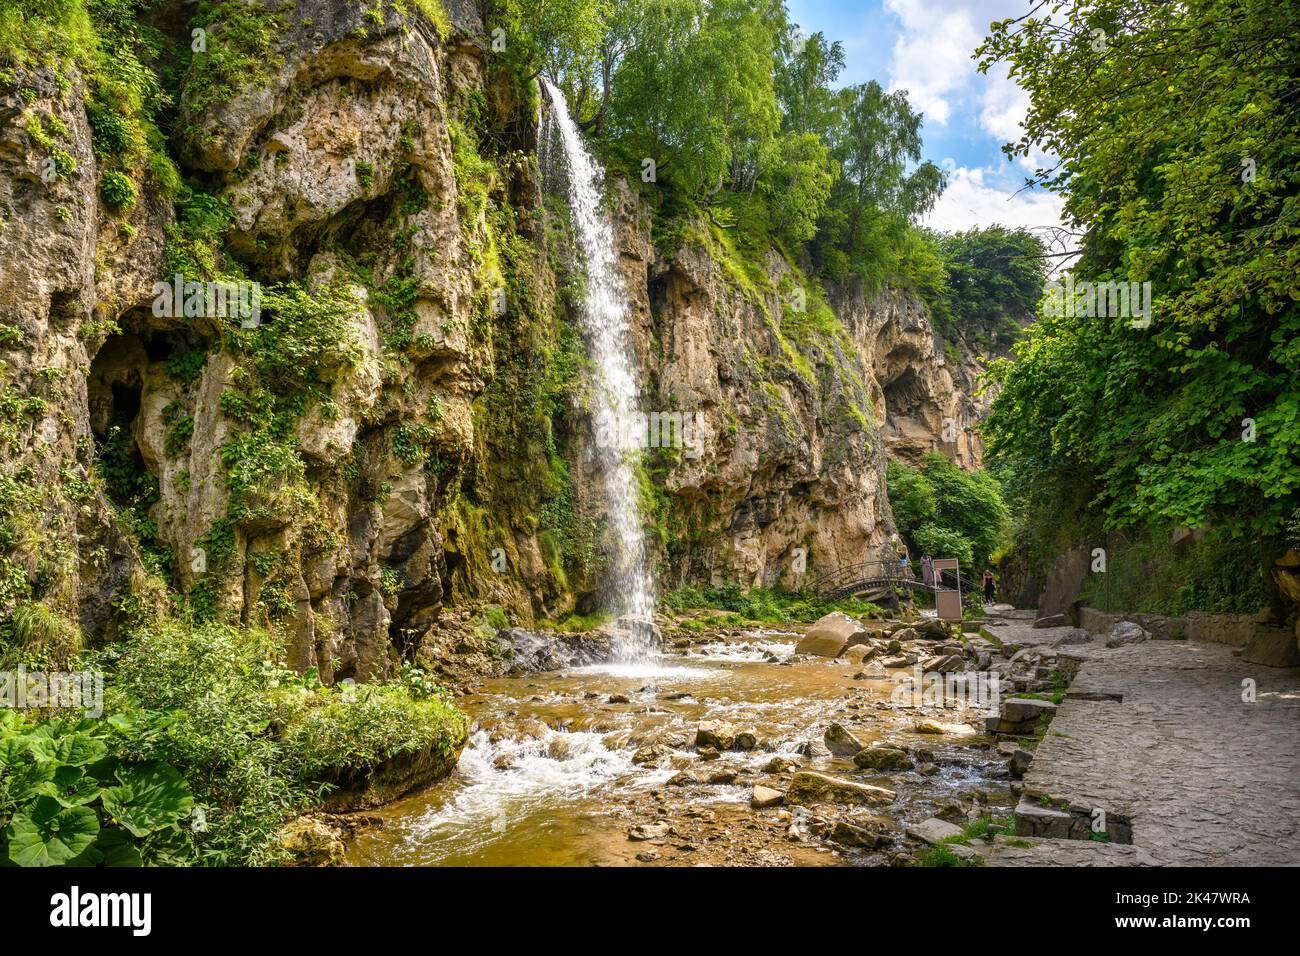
x: 933, y: 831
x: 831, y: 634
x: 883, y: 757
x: 808, y: 786
x: 763, y: 797
x: 859, y: 653
x: 840, y: 741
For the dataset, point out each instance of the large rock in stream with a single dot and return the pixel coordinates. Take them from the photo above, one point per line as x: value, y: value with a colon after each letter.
x: 830, y: 635
x: 808, y: 786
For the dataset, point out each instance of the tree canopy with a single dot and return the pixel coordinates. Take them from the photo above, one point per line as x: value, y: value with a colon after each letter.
x: 1179, y: 160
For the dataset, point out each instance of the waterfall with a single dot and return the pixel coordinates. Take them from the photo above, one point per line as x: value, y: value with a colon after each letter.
x: 614, y: 386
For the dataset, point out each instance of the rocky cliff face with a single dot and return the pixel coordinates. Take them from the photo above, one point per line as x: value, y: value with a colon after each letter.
x: 400, y: 428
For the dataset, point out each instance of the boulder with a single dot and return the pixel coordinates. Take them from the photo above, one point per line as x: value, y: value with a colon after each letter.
x: 1076, y: 636
x: 933, y: 831
x: 1019, y: 762
x: 1127, y: 632
x: 840, y: 741
x: 945, y: 664
x: 1272, y: 647
x: 763, y: 797
x: 715, y: 735
x: 1052, y: 620
x: 859, y: 653
x: 849, y: 834
x: 648, y: 831
x: 310, y: 842
x: 808, y: 786
x: 650, y: 755
x: 831, y: 634
x: 781, y: 763
x: 883, y: 758
x: 934, y: 629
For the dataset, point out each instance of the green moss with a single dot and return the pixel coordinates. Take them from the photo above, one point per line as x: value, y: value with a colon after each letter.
x: 242, y: 51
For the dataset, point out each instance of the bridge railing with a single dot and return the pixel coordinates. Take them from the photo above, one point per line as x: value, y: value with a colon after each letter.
x: 885, y: 570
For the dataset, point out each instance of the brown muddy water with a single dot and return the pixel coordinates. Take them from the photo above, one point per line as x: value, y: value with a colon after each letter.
x: 548, y: 776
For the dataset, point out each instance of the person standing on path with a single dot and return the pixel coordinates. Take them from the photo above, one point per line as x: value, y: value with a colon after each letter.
x: 927, y: 569
x: 988, y: 586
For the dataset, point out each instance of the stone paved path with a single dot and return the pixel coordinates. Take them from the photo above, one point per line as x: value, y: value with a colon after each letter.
x: 1158, y: 734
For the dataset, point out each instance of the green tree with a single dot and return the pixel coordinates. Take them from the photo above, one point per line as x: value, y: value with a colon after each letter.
x: 1176, y: 131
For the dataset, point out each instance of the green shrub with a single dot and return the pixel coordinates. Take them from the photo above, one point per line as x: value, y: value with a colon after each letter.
x: 117, y: 190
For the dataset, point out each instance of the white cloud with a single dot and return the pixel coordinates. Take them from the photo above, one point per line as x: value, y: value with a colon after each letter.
x: 970, y: 201
x: 931, y: 57
x: 1003, y: 106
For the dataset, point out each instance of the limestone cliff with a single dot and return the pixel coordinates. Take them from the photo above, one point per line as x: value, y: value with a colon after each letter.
x: 401, y: 429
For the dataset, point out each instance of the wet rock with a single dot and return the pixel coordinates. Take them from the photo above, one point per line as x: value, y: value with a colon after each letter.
x: 745, y: 740
x: 715, y: 735
x: 933, y: 831
x: 849, y: 834
x: 831, y: 634
x: 781, y: 763
x: 927, y: 727
x: 618, y: 699
x: 808, y: 786
x: 708, y: 753
x: 650, y: 755
x: 927, y: 769
x: 883, y: 758
x: 816, y: 749
x: 763, y: 797
x: 893, y: 663
x: 531, y: 651
x: 840, y: 741
x: 721, y: 777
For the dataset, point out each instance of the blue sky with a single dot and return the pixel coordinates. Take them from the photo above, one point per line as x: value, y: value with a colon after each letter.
x: 924, y: 47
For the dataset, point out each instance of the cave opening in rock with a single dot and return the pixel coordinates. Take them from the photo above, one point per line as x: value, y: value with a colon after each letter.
x: 115, y: 392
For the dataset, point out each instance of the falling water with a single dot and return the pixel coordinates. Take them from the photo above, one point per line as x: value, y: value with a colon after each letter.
x: 614, y: 388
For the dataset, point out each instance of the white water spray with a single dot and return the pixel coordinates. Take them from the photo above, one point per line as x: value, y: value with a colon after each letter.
x: 614, y: 388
